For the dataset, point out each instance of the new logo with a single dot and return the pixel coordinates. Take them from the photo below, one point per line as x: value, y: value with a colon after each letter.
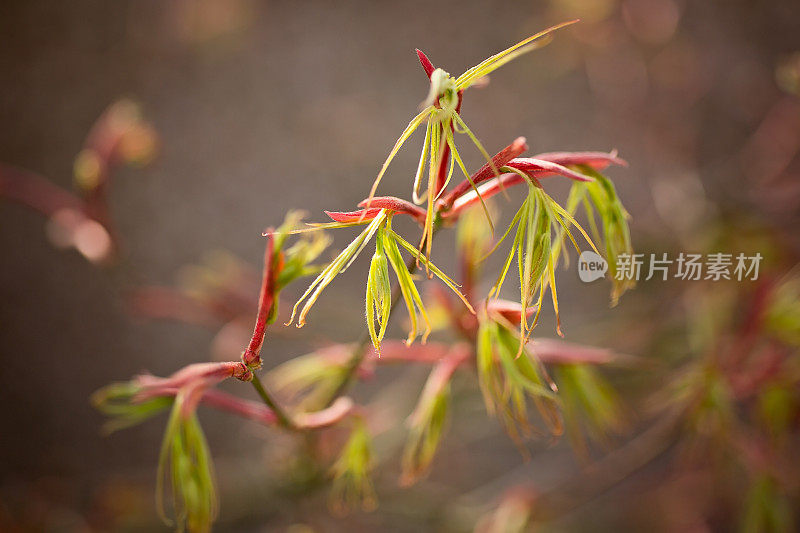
x: 591, y: 266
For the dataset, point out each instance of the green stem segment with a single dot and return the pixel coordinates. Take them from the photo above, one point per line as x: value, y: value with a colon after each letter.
x: 281, y: 416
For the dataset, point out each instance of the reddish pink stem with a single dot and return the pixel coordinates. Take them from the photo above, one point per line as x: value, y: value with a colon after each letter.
x: 486, y: 191
x: 342, y: 407
x: 103, y: 143
x: 206, y: 373
x: 596, y: 160
x: 487, y: 171
x: 394, y: 351
x: 36, y: 192
x: 40, y: 194
x: 252, y: 355
x: 390, y: 203
x: 239, y: 406
x: 566, y: 353
x: 359, y: 215
x: 397, y: 205
x: 166, y: 303
x: 226, y: 402
x: 440, y: 377
x: 539, y: 166
x: 542, y: 169
x: 511, y: 311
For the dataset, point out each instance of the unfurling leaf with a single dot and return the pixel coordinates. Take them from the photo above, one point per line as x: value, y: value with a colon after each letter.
x: 297, y: 258
x: 379, y: 293
x: 426, y: 423
x: 599, y: 197
x: 185, y: 463
x: 509, y: 379
x: 337, y: 266
x: 591, y: 406
x: 767, y: 507
x: 117, y: 401
x: 432, y: 268
x: 313, y: 376
x: 485, y: 67
x: 352, y: 487
x: 541, y: 226
x: 427, y: 426
x: 408, y: 289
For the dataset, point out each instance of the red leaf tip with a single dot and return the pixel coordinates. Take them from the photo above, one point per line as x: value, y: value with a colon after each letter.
x: 347, y: 217
x: 425, y: 62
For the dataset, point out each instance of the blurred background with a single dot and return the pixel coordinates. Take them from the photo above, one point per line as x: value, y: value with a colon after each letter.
x: 252, y: 108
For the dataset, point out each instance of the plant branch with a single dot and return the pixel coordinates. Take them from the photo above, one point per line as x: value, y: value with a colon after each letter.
x: 252, y: 355
x: 280, y: 415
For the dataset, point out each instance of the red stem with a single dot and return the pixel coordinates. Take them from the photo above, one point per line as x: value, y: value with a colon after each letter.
x: 166, y: 303
x: 443, y: 163
x: 547, y: 165
x: 396, y: 205
x: 440, y: 376
x: 251, y: 356
x: 532, y: 165
x: 329, y: 416
x: 487, y: 171
x: 359, y: 215
x: 36, y: 192
x: 595, y: 160
x: 239, y: 406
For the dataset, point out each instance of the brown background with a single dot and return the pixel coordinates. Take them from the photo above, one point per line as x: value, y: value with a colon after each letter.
x: 263, y: 106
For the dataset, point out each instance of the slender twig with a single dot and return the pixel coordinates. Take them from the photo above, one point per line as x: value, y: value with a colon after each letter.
x: 281, y: 416
x: 252, y: 355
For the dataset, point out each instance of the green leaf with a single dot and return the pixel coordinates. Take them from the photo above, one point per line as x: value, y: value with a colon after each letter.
x: 541, y: 224
x: 432, y: 268
x: 601, y: 196
x: 185, y: 459
x: 407, y: 288
x: 509, y: 378
x: 591, y: 406
x: 337, y: 266
x: 117, y: 401
x: 379, y: 293
x: 412, y: 126
x: 425, y: 436
x: 422, y: 160
x: 520, y: 219
x: 497, y: 60
x: 352, y: 487
x: 313, y: 376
